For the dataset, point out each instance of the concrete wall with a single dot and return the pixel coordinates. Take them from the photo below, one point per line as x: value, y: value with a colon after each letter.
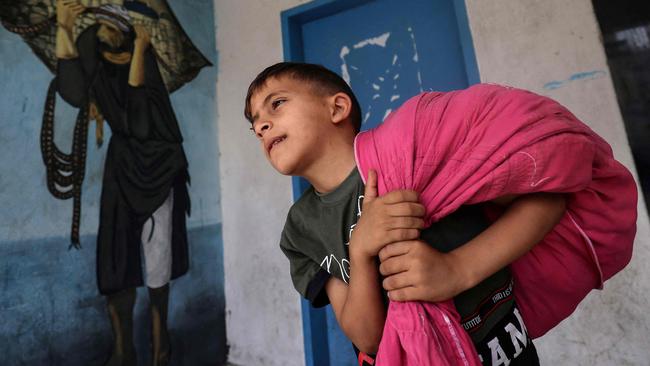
x: 50, y: 308
x: 262, y: 309
x: 551, y: 47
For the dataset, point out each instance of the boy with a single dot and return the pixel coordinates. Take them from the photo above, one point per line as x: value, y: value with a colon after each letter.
x: 306, y: 118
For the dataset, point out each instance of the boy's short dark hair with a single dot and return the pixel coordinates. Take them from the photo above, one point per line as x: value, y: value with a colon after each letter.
x: 320, y: 77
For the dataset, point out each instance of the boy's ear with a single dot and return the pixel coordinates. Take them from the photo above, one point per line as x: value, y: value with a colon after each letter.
x: 341, y: 106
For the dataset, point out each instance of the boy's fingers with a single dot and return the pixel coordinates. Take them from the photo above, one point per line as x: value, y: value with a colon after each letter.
x: 413, y: 209
x: 403, y: 294
x: 370, y: 192
x: 402, y: 235
x: 393, y: 250
x: 405, y: 222
x: 402, y: 195
x: 397, y: 281
x: 393, y: 266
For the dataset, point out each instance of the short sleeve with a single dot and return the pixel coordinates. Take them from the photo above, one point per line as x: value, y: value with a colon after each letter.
x: 308, y: 277
x: 316, y: 293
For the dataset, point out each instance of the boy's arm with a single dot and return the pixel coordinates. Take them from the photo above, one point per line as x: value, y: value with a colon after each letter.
x: 413, y: 269
x: 358, y: 306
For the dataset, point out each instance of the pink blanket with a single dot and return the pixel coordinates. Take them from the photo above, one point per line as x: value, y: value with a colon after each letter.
x: 487, y: 141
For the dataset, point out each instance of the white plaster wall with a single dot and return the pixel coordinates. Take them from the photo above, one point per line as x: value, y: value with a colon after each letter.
x: 264, y: 324
x: 528, y: 43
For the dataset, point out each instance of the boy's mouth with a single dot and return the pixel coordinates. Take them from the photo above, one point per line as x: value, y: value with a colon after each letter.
x: 274, y: 141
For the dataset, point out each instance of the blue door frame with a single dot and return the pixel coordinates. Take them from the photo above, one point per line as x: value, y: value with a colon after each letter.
x: 314, y: 320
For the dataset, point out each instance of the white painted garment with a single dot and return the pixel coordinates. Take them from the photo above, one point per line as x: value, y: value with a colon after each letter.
x: 157, y: 245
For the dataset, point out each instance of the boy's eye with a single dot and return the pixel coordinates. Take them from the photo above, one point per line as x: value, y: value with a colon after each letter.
x: 276, y: 103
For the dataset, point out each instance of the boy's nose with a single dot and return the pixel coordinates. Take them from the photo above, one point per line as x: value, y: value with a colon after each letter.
x: 262, y: 128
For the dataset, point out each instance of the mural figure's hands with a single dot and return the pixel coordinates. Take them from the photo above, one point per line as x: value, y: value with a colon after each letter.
x: 67, y: 11
x: 142, y: 38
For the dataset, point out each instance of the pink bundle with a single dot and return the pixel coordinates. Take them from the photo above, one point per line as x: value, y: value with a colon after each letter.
x: 487, y: 141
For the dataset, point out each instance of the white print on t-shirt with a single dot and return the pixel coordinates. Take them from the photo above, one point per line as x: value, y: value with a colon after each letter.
x: 344, y: 264
x: 518, y: 338
x: 359, y: 204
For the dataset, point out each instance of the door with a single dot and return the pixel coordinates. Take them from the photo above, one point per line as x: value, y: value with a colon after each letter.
x: 388, y: 51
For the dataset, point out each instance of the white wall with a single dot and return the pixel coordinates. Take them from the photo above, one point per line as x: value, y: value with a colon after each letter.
x: 264, y: 324
x: 527, y: 44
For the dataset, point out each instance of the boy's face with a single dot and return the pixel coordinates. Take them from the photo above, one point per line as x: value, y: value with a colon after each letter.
x: 291, y: 119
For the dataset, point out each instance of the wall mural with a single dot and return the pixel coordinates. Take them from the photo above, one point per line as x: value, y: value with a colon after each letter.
x: 117, y: 62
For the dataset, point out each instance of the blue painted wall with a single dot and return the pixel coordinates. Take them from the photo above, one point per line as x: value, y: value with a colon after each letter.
x: 50, y: 310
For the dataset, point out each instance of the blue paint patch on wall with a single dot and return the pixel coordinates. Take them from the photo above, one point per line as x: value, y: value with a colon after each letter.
x: 52, y: 313
x: 587, y: 75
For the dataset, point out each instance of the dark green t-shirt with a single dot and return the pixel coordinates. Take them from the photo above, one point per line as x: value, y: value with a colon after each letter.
x: 317, y: 234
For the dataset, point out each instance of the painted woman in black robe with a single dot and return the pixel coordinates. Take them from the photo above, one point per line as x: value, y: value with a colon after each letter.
x: 112, y: 65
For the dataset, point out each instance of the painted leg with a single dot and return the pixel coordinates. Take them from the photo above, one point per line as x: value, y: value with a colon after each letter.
x: 120, y: 311
x: 160, y: 342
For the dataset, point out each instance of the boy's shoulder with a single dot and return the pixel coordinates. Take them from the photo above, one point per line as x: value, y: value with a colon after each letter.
x: 294, y: 224
x: 309, y: 209
x: 305, y: 201
x: 300, y: 217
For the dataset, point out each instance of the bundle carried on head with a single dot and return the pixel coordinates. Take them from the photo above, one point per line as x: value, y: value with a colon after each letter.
x: 35, y: 22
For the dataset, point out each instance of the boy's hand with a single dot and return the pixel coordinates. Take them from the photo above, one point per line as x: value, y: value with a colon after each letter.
x: 394, y: 217
x: 413, y: 270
